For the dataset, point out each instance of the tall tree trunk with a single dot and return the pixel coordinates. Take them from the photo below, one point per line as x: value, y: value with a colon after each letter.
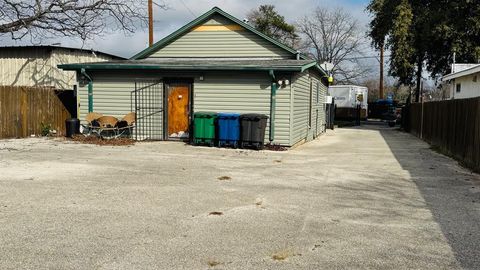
x: 419, y: 78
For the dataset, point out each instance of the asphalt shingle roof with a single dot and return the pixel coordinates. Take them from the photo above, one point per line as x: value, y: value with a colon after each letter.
x: 198, y: 64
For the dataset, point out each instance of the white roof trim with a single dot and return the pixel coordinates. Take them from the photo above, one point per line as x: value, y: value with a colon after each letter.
x: 346, y: 85
x: 465, y: 72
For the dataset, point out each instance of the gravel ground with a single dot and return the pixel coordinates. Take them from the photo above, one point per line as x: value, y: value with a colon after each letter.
x: 361, y: 198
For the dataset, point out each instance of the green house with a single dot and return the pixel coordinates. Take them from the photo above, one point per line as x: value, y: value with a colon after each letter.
x: 214, y: 63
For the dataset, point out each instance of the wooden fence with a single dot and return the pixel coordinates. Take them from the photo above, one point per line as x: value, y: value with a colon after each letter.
x: 453, y: 126
x: 23, y: 111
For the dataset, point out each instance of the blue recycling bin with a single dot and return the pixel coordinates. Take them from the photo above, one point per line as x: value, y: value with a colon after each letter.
x: 228, y: 129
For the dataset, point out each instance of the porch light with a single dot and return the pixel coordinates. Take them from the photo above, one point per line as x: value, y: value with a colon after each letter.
x: 283, y: 82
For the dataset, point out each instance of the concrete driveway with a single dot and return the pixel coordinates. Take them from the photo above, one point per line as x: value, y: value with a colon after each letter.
x: 368, y: 197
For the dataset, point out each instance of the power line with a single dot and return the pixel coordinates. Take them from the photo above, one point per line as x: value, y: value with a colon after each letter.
x: 366, y: 57
x: 158, y: 5
x: 189, y: 10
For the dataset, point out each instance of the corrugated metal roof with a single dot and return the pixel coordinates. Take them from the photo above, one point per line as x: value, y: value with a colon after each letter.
x: 53, y: 47
x: 199, y: 64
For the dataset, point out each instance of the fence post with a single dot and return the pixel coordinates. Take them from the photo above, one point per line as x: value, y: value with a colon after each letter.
x: 421, y: 121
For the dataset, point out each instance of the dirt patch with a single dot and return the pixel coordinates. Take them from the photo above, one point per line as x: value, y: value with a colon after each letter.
x: 283, y: 255
x: 275, y: 147
x: 213, y: 263
x: 224, y: 178
x: 102, y: 142
x: 259, y: 202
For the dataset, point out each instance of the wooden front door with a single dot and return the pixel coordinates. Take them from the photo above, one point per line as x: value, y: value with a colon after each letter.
x: 178, y: 111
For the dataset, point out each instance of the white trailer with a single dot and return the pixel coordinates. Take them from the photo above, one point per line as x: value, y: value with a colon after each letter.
x: 347, y: 97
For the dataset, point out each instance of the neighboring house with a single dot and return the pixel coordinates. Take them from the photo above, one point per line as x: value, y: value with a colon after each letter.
x: 214, y: 63
x: 464, y: 81
x: 36, y: 66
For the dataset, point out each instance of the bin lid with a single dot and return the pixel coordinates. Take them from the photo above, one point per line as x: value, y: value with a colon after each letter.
x: 205, y: 114
x: 227, y: 114
x: 253, y: 116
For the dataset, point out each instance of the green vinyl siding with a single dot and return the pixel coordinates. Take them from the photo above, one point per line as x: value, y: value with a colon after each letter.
x: 248, y: 93
x: 301, y: 127
x: 112, y: 96
x: 226, y: 43
x: 321, y: 106
x: 218, y: 92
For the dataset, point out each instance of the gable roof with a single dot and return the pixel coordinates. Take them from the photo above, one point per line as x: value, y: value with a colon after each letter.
x: 183, y: 30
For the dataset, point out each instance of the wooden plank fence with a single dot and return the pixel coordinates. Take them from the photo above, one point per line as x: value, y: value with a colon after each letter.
x: 453, y: 126
x: 23, y: 110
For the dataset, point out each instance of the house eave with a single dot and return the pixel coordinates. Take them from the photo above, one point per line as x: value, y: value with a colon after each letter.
x: 157, y: 67
x: 462, y: 73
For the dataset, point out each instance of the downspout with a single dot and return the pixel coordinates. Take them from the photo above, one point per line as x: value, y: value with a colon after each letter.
x: 273, y: 102
x: 90, y: 90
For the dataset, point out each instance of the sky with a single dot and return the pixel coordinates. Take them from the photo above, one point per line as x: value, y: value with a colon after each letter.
x: 181, y: 12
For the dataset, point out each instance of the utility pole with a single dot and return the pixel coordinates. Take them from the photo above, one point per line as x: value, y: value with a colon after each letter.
x: 150, y: 23
x: 380, y: 88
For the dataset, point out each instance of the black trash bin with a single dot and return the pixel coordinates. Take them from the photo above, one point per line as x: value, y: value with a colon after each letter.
x: 72, y: 126
x: 252, y: 130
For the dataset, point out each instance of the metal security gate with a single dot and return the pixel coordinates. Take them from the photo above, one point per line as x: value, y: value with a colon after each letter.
x: 147, y: 103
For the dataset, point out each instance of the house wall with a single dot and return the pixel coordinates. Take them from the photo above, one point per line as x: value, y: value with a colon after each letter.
x: 219, y: 92
x: 220, y: 37
x: 470, y: 87
x: 245, y: 93
x: 302, y: 129
x: 38, y: 66
x: 112, y: 95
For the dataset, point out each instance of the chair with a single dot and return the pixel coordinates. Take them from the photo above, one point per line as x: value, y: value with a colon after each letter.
x: 88, y: 127
x: 126, y: 125
x: 107, y: 127
x: 130, y: 118
x: 107, y: 121
x: 92, y: 116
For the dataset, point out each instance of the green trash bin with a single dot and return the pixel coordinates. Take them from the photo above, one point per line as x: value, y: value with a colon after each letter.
x: 204, y: 128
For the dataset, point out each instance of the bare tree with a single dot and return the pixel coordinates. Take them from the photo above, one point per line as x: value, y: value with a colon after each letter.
x: 334, y: 36
x: 83, y: 19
